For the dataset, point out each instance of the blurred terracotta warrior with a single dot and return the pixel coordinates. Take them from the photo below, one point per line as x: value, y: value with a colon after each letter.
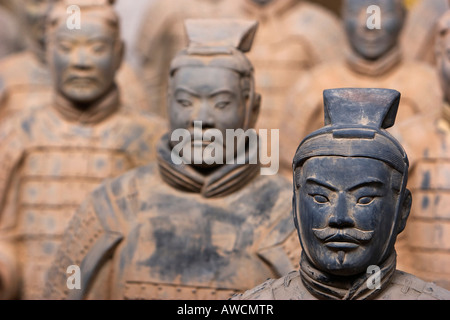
x: 375, y: 61
x: 194, y: 229
x: 25, y: 81
x: 350, y: 203
x: 293, y: 36
x: 418, y: 35
x: 426, y: 243
x: 53, y: 156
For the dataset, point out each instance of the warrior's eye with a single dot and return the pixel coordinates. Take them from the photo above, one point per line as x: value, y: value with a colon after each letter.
x: 184, y: 103
x: 321, y: 199
x: 222, y: 105
x: 365, y: 200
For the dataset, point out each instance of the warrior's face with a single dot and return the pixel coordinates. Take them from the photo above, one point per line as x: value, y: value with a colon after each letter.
x: 211, y: 96
x: 369, y: 42
x: 347, y: 212
x: 84, y: 61
x: 34, y: 14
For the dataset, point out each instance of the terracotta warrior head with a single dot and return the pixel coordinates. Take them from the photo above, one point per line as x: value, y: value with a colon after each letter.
x: 350, y: 200
x: 443, y: 53
x: 367, y: 41
x: 212, y: 81
x: 84, y: 61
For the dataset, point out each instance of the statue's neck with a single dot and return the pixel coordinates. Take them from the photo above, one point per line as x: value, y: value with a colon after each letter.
x: 331, y: 287
x: 374, y: 68
x: 88, y: 113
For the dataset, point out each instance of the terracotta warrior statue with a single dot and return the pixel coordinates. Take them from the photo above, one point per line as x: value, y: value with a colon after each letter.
x: 350, y: 203
x: 293, y: 35
x: 25, y: 80
x: 418, y: 36
x: 52, y: 157
x: 195, y: 229
x: 374, y: 61
x: 425, y: 244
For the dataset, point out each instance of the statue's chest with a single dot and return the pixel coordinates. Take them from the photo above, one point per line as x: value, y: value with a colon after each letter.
x: 54, y: 180
x: 191, y: 249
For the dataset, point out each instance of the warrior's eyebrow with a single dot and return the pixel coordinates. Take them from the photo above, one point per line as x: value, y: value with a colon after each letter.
x: 320, y: 184
x: 185, y: 90
x: 371, y: 182
x: 221, y: 91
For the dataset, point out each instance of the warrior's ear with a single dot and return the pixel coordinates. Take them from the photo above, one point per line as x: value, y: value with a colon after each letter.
x: 405, y: 209
x: 255, y: 108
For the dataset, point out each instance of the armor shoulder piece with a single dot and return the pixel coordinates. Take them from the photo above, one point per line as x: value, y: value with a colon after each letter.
x: 88, y: 242
x: 280, y: 247
x: 408, y: 287
x: 261, y: 292
x: 289, y: 287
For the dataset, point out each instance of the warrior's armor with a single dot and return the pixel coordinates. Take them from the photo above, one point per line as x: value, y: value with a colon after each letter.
x: 165, y: 243
x: 50, y: 162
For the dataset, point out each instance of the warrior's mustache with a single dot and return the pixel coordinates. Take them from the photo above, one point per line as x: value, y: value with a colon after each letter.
x: 349, y: 234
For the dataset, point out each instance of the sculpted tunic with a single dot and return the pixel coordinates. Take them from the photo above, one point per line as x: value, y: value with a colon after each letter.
x: 418, y: 84
x: 166, y: 232
x: 310, y: 283
x: 424, y: 246
x: 52, y: 157
x: 403, y: 286
x: 292, y: 36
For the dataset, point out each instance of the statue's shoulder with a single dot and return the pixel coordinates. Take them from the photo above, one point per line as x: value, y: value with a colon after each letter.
x: 289, y: 287
x: 405, y: 286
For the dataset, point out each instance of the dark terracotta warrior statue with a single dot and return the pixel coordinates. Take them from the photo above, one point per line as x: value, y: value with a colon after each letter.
x: 25, y: 79
x: 197, y: 229
x: 350, y: 203
x: 53, y: 156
